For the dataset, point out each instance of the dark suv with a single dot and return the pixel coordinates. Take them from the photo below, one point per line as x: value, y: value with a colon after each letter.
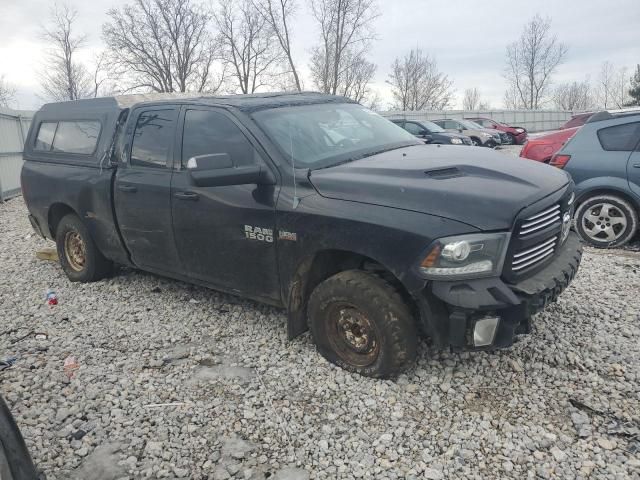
x: 603, y: 158
x: 309, y: 202
x: 432, y: 133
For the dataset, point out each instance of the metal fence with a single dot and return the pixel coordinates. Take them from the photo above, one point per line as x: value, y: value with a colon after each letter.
x: 14, y: 125
x: 532, y: 120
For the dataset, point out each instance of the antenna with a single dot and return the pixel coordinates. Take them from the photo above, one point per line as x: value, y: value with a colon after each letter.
x: 296, y: 200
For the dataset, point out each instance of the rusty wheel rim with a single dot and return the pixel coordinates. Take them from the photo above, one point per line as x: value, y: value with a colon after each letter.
x: 75, y: 250
x: 353, y: 336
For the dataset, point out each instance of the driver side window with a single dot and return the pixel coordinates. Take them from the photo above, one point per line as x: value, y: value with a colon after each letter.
x: 207, y: 132
x: 413, y: 128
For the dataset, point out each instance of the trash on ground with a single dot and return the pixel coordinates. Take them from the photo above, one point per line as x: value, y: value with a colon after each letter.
x: 7, y: 362
x: 47, y: 253
x: 70, y: 366
x: 41, y: 336
x: 170, y: 404
x: 51, y: 298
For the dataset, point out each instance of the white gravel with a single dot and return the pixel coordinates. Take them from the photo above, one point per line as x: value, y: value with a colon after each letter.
x: 190, y: 383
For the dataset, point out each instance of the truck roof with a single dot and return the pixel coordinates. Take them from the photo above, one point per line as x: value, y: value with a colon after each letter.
x: 246, y: 103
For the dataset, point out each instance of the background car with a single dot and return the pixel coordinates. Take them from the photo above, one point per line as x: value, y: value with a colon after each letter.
x: 479, y: 135
x: 432, y: 133
x: 603, y: 158
x: 515, y: 135
x: 542, y: 148
x: 577, y: 120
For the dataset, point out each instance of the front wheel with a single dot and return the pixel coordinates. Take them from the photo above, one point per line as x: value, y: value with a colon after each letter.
x: 362, y: 324
x: 606, y: 221
x: 476, y: 142
x: 79, y: 256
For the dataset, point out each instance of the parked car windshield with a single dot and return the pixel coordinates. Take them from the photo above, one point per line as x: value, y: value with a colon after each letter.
x: 471, y: 125
x: 324, y: 135
x: 432, y: 127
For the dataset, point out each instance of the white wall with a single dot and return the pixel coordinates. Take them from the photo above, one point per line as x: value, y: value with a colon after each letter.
x: 14, y: 125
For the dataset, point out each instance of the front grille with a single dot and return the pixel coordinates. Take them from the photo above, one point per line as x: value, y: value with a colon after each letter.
x: 540, y: 221
x: 536, y: 238
x: 531, y: 256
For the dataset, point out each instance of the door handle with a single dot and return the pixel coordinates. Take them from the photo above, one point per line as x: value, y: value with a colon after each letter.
x: 636, y: 165
x: 186, y: 195
x: 127, y: 188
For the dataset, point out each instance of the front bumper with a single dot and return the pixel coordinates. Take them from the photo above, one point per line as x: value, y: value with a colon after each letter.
x: 450, y: 310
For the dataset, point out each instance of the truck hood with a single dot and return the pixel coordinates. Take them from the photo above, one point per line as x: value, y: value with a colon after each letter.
x: 477, y: 186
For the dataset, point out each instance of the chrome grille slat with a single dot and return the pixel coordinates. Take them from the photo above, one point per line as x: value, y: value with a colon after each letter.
x: 533, y: 249
x: 541, y: 220
x: 540, y: 226
x: 531, y: 262
x: 543, y: 213
x: 533, y: 256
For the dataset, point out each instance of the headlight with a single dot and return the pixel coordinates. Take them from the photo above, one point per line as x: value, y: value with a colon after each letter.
x: 485, y: 134
x: 456, y: 141
x: 519, y: 130
x: 465, y: 256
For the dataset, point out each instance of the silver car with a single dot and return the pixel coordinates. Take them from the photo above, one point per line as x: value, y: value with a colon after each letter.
x: 480, y: 136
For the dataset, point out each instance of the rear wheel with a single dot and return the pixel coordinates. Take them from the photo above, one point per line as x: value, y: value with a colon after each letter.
x: 606, y: 221
x: 79, y: 257
x: 361, y: 323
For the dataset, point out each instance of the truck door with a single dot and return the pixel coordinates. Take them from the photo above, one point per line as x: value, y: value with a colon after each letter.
x: 224, y: 232
x: 143, y: 188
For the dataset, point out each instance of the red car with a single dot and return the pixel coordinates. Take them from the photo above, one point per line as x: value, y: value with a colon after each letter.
x: 542, y: 148
x: 517, y: 135
x: 577, y: 120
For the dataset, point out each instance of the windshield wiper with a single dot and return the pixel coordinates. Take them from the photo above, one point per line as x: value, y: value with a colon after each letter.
x: 365, y: 155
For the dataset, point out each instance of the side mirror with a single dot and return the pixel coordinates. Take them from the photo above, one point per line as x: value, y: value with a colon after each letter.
x: 460, y: 130
x: 217, y: 170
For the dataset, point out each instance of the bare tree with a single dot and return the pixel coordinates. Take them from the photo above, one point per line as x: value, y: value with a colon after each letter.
x: 573, y: 96
x: 634, y: 88
x: 357, y: 78
x: 604, y: 85
x: 7, y: 92
x: 162, y: 46
x: 248, y: 46
x: 531, y: 61
x: 417, y: 84
x: 64, y: 77
x: 346, y: 30
x: 620, y: 89
x: 471, y: 99
x: 278, y: 14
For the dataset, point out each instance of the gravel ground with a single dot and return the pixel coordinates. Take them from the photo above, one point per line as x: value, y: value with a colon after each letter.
x: 176, y: 381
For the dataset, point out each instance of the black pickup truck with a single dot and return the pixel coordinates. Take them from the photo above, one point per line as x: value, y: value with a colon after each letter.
x: 366, y: 235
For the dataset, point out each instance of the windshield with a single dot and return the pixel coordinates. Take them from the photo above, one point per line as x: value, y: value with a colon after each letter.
x: 322, y: 135
x: 471, y: 125
x: 432, y: 127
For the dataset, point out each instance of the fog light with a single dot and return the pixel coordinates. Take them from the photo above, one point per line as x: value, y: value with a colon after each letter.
x: 485, y: 331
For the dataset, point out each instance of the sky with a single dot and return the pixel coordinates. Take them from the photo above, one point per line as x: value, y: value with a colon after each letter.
x: 468, y: 39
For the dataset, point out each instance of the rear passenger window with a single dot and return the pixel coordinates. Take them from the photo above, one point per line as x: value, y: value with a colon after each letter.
x: 152, y: 138
x: 207, y: 132
x: 47, y: 131
x: 620, y: 137
x: 78, y: 137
